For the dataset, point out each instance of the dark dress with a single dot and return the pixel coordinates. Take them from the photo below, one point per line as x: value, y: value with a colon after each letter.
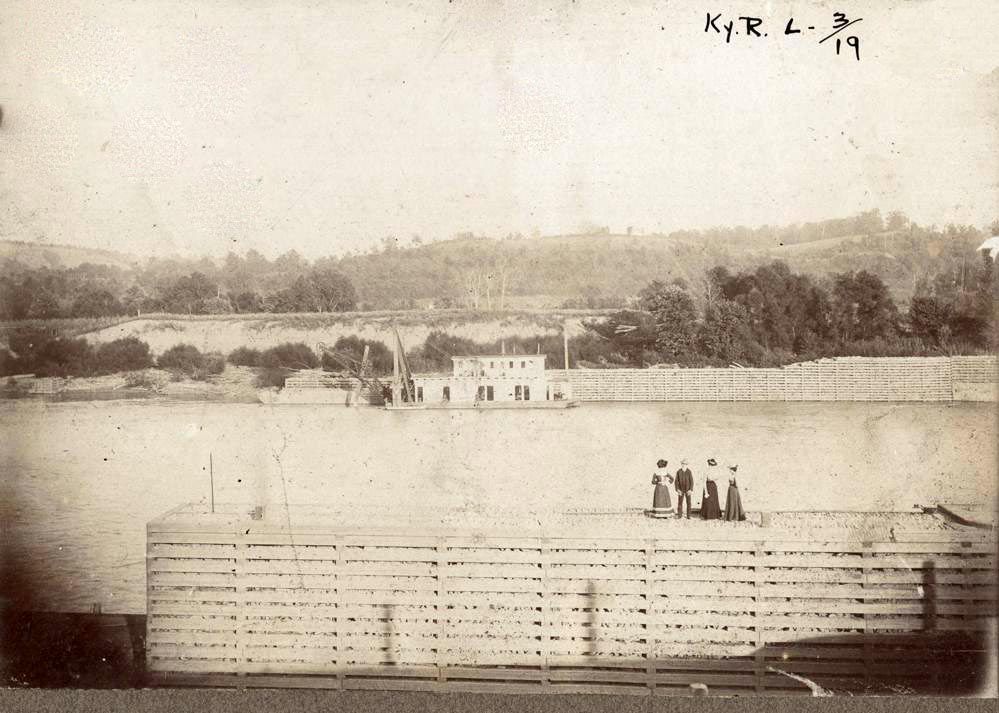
x: 733, y: 503
x: 661, y: 504
x: 710, y: 507
x: 660, y: 497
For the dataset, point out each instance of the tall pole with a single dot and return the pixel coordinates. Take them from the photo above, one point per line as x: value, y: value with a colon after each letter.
x: 211, y: 481
x: 565, y: 344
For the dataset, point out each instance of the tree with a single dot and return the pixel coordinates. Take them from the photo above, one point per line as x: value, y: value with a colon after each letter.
x: 897, y: 220
x: 675, y: 316
x: 930, y: 318
x: 217, y: 305
x: 862, y: 307
x: 248, y: 302
x: 188, y: 294
x: 333, y: 291
x: 134, y: 299
x: 725, y: 330
x: 96, y: 303
x: 44, y: 305
x: 300, y: 297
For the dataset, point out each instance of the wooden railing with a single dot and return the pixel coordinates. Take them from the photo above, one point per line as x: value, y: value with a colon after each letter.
x: 447, y: 611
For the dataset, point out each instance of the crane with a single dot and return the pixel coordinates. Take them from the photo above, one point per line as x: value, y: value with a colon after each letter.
x: 360, y: 370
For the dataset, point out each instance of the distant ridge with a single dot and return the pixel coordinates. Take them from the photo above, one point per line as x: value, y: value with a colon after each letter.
x: 52, y: 255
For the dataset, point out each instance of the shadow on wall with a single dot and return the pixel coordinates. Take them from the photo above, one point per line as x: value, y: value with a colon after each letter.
x: 102, y: 651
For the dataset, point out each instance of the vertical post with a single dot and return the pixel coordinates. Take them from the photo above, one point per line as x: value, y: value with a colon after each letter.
x: 864, y: 585
x: 650, y: 615
x: 565, y: 344
x: 241, y: 603
x: 211, y: 482
x: 967, y: 596
x: 546, y: 624
x: 759, y: 663
x: 339, y: 663
x: 441, y: 610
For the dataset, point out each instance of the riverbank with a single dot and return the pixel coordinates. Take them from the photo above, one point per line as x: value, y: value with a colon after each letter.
x: 237, y: 384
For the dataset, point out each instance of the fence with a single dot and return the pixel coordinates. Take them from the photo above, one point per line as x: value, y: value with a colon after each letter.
x: 842, y: 379
x: 462, y: 611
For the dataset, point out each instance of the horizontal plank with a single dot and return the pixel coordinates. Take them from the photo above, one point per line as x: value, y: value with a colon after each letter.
x: 217, y: 565
x: 194, y: 651
x: 191, y: 579
x: 158, y: 664
x: 594, y: 572
x: 490, y: 556
x: 588, y: 587
x: 194, y: 623
x: 502, y: 673
x: 639, y: 677
x: 298, y: 552
x: 189, y: 551
x: 709, y: 679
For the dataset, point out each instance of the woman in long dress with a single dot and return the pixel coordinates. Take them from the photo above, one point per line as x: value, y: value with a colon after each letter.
x: 733, y: 503
x: 661, y: 505
x: 710, y: 504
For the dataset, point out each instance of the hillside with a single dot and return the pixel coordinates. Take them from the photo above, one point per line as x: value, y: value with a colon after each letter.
x: 608, y: 270
x: 35, y: 255
x: 596, y: 270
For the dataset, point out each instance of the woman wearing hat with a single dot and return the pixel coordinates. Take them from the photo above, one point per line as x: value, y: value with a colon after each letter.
x: 661, y: 505
x: 733, y: 503
x: 710, y: 505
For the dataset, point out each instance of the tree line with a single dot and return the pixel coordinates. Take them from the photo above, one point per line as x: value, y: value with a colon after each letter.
x: 241, y: 285
x: 772, y: 316
x: 595, y: 270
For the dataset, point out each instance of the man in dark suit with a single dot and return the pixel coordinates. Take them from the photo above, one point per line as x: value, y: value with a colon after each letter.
x: 684, y: 487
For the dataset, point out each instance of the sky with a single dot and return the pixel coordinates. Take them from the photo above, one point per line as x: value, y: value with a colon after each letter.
x: 161, y: 127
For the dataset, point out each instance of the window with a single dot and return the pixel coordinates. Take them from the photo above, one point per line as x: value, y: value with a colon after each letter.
x: 492, y: 365
x: 481, y: 394
x: 419, y: 393
x: 511, y: 365
x: 523, y: 365
x: 489, y: 393
x: 518, y: 392
x: 527, y: 392
x: 446, y: 393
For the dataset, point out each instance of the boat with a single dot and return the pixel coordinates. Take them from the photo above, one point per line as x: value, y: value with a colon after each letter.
x: 481, y: 381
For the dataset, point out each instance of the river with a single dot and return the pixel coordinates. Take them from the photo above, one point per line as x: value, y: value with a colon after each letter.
x: 80, y: 480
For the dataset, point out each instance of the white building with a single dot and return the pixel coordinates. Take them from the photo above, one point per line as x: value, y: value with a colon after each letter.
x: 492, y: 377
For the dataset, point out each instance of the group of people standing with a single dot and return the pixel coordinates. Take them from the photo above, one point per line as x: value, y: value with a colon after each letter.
x: 683, y: 483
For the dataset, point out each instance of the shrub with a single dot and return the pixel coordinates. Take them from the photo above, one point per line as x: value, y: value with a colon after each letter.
x: 186, y: 360
x: 353, y: 347
x: 42, y: 352
x: 141, y: 380
x: 289, y: 355
x: 128, y: 354
x: 214, y: 363
x: 182, y: 358
x: 63, y: 357
x: 244, y: 356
